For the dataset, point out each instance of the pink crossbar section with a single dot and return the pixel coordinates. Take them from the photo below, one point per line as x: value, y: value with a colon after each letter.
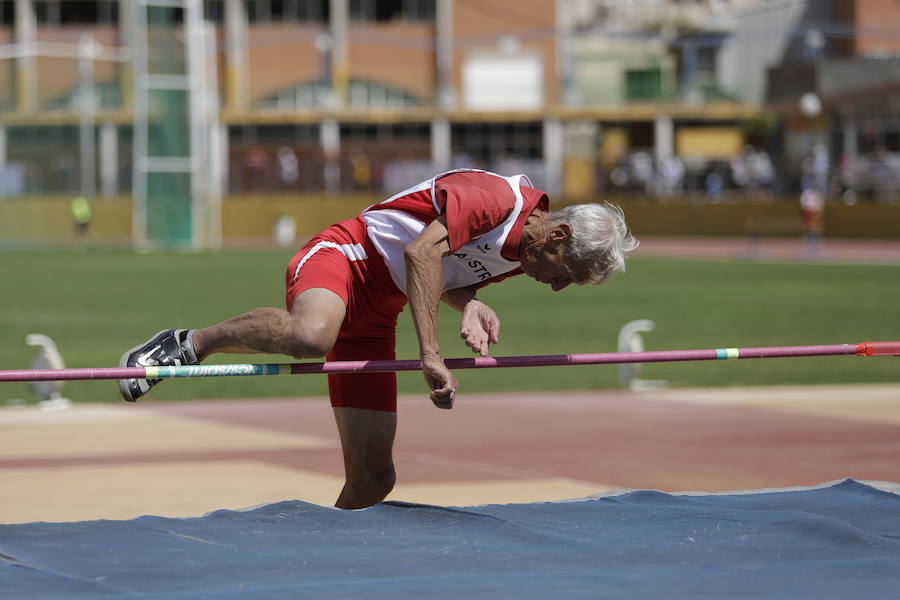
x: 81, y: 374
x: 865, y: 349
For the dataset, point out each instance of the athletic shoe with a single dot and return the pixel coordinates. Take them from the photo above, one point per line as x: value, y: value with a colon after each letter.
x: 169, y: 347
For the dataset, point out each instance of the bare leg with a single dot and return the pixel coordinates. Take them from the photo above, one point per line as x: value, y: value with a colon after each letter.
x: 367, y: 437
x: 308, y: 331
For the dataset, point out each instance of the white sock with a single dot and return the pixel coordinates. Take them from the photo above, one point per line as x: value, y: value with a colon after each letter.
x: 188, y: 346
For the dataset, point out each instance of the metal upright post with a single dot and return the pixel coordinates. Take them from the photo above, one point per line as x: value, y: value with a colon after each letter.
x: 446, y: 96
x: 139, y: 116
x: 87, y: 107
x: 109, y: 160
x: 340, y: 64
x: 26, y: 69
x: 441, y: 142
x: 554, y: 154
x: 236, y: 94
x: 196, y: 75
x: 160, y: 164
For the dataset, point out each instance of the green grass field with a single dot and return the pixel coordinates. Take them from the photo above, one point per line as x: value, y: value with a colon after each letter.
x: 96, y: 305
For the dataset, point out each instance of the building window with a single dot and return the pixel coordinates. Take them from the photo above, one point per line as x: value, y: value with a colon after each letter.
x: 892, y: 141
x: 419, y: 10
x: 362, y: 94
x: 56, y: 12
x: 384, y: 156
x: 248, y: 135
x: 293, y: 11
x: 259, y: 11
x: 367, y: 94
x: 384, y: 134
x: 7, y: 13
x: 643, y: 84
x: 487, y: 143
x: 214, y: 10
x: 302, y: 11
x: 305, y: 95
x: 375, y: 11
x: 274, y: 158
x: 50, y: 154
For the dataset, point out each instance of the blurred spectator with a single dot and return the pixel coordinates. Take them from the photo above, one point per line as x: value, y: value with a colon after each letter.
x: 288, y: 167
x: 714, y: 183
x: 874, y: 177
x: 81, y: 215
x: 635, y: 173
x: 884, y: 182
x: 815, y: 169
x: 762, y: 173
x: 751, y: 172
x: 670, y: 182
x: 331, y: 172
x: 257, y: 167
x: 361, y: 170
x: 740, y: 170
x: 642, y: 172
x: 812, y: 207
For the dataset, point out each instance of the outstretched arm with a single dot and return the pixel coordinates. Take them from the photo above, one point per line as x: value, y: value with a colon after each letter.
x: 479, y: 326
x: 423, y: 290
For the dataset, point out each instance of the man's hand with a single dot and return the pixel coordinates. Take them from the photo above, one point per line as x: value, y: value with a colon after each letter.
x: 479, y: 327
x: 440, y: 380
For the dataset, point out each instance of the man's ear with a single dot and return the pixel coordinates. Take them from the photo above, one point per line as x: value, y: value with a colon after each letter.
x: 560, y: 232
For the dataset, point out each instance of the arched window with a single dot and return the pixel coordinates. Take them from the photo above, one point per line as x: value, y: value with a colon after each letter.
x: 361, y: 94
x: 368, y: 94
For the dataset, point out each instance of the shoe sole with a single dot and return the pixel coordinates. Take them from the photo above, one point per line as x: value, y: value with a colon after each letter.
x: 123, y: 362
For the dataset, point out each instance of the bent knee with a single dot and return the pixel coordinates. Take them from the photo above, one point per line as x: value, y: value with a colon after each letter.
x: 372, y: 488
x: 311, y: 338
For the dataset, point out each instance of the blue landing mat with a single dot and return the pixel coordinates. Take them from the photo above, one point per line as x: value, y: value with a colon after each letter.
x: 841, y: 541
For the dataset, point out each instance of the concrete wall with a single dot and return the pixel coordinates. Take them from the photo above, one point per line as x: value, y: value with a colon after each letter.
x: 249, y: 220
x: 684, y: 218
x: 761, y: 41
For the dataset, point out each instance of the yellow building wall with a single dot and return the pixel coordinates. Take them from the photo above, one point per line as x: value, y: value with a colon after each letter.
x: 708, y: 142
x: 249, y: 220
x: 613, y: 145
x: 580, y: 178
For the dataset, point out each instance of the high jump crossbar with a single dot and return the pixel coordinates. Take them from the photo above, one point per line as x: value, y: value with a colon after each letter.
x: 482, y: 362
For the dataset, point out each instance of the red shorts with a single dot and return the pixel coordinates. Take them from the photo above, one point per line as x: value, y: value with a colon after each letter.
x: 343, y: 260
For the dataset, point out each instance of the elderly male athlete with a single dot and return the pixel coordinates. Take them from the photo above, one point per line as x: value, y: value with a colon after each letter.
x: 439, y: 240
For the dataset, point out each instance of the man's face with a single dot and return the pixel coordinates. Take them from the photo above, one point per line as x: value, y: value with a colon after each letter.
x: 547, y: 264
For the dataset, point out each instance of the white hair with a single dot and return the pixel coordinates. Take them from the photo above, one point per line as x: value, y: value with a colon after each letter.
x: 600, y: 239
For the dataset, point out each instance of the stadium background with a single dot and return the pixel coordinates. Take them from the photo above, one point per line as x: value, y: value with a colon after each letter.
x: 210, y: 138
x: 201, y: 124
